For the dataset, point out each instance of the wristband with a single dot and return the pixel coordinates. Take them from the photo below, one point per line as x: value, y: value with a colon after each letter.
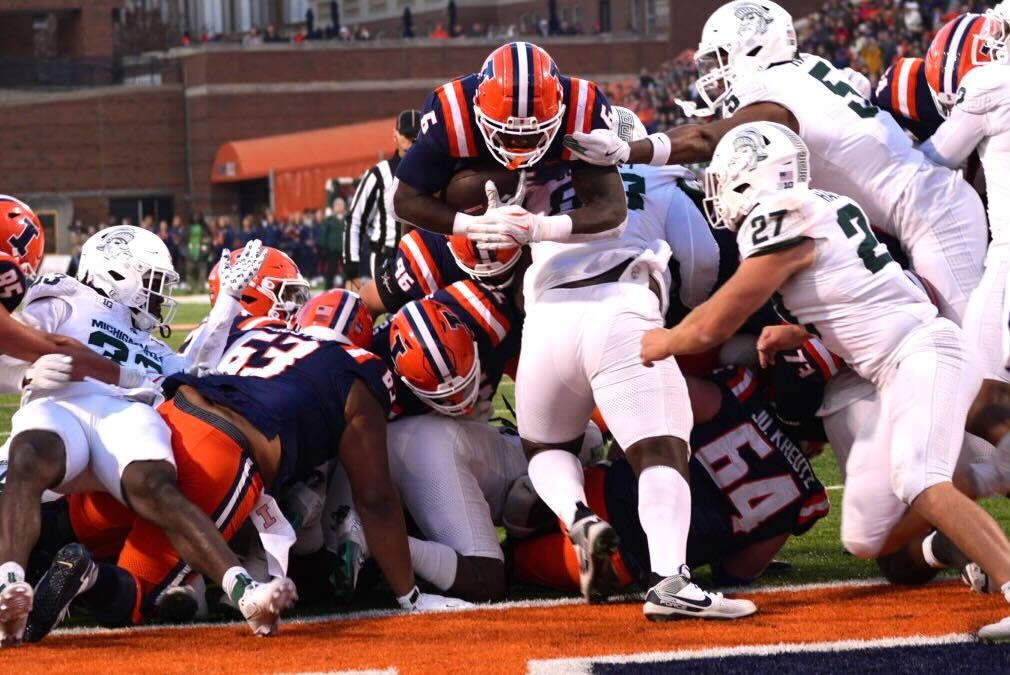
x: 660, y: 149
x: 131, y: 378
x: 462, y: 222
x: 554, y: 228
x: 410, y: 599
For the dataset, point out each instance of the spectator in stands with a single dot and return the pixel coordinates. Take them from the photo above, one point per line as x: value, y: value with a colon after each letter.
x: 177, y: 236
x: 253, y: 38
x: 439, y: 32
x: 198, y: 248
x: 271, y: 34
x: 331, y: 243
x: 270, y: 229
x: 250, y: 231
x: 148, y: 223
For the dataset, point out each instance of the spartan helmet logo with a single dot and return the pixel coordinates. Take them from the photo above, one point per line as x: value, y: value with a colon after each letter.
x: 754, y: 19
x: 748, y: 150
x: 115, y: 242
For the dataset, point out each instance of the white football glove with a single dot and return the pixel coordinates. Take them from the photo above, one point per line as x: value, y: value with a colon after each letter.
x: 494, y: 200
x: 602, y: 147
x: 236, y: 276
x: 504, y: 225
x: 415, y: 601
x: 50, y: 371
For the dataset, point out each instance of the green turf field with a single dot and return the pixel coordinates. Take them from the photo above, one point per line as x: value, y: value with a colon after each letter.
x: 816, y: 556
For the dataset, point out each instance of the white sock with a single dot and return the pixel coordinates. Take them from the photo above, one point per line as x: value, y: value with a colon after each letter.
x: 927, y: 552
x: 664, y: 509
x: 434, y: 562
x: 559, y: 481
x: 235, y: 582
x: 1005, y: 590
x: 11, y: 573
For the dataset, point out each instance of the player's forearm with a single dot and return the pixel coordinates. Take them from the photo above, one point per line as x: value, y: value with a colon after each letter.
x: 423, y: 211
x: 28, y: 344
x: 685, y: 144
x: 386, y: 534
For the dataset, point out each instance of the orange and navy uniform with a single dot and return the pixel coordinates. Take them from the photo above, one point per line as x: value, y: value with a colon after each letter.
x: 904, y: 92
x: 749, y: 483
x: 449, y: 130
x: 13, y: 283
x: 422, y: 265
x: 492, y: 319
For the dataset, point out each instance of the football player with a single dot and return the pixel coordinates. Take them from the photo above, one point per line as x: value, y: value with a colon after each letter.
x: 904, y: 92
x: 751, y: 486
x: 510, y: 111
x: 749, y: 66
x: 90, y: 435
x: 835, y: 280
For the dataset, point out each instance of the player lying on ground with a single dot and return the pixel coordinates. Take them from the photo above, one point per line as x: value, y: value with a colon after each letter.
x: 817, y: 251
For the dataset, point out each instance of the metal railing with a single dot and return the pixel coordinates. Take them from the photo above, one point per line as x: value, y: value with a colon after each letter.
x: 29, y: 72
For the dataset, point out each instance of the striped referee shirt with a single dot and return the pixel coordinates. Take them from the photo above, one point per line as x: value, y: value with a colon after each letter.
x: 372, y: 209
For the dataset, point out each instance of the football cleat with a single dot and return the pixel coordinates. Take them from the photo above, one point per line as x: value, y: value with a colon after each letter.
x: 15, y: 604
x: 262, y: 604
x: 677, y: 596
x: 595, y: 542
x: 70, y: 571
x: 351, y: 555
x: 977, y: 579
x: 996, y: 632
x: 183, y: 604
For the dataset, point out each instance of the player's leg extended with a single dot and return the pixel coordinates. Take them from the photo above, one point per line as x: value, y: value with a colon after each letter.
x: 47, y: 449
x: 554, y: 402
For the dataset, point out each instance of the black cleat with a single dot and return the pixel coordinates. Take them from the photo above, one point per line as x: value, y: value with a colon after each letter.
x: 69, y: 572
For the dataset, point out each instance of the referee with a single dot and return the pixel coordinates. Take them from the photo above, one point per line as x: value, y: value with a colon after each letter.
x: 372, y: 207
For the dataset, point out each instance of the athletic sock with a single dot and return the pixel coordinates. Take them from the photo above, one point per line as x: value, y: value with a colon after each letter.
x: 559, y: 481
x: 235, y: 582
x: 434, y: 562
x: 664, y: 509
x: 940, y: 552
x: 11, y: 573
x: 1005, y: 590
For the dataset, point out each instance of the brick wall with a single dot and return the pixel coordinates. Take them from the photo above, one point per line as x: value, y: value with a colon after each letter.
x: 86, y: 29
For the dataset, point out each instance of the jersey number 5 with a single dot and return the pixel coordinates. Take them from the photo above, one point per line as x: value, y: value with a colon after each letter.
x: 755, y: 500
x: 857, y: 103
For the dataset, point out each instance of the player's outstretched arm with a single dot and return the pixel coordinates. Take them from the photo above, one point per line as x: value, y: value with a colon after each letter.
x: 364, y: 456
x: 719, y: 318
x: 28, y: 344
x: 686, y: 144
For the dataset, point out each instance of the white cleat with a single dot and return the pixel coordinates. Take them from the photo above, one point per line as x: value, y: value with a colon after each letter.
x: 677, y: 596
x: 262, y: 604
x: 995, y: 632
x: 15, y: 605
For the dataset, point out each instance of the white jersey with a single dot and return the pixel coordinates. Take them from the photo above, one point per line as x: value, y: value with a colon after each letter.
x: 855, y: 149
x: 854, y: 296
x: 63, y: 305
x: 662, y: 220
x: 981, y: 118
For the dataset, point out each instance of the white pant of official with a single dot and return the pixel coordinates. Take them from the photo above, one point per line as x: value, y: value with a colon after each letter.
x: 942, y: 226
x: 581, y: 347
x: 101, y: 435
x: 906, y: 437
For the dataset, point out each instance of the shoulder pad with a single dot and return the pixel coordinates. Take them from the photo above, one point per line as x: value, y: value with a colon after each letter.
x: 777, y: 221
x: 983, y: 88
x: 56, y: 286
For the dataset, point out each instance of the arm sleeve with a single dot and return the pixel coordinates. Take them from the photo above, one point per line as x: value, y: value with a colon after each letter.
x: 956, y: 138
x: 695, y: 249
x: 206, y: 349
x: 362, y: 211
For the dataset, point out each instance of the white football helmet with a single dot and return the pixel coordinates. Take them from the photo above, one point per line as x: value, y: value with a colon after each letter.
x: 996, y: 32
x: 131, y: 265
x: 627, y: 125
x: 752, y: 161
x: 741, y: 37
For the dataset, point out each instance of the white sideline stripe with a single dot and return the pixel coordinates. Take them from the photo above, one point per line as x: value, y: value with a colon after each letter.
x: 834, y: 487
x: 585, y: 665
x: 387, y: 671
x: 500, y: 606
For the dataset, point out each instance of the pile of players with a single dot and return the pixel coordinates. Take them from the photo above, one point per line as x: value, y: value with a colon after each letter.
x: 292, y: 416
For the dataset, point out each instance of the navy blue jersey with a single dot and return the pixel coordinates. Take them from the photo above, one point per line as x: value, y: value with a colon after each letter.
x: 749, y: 482
x: 423, y: 264
x: 904, y: 92
x: 12, y: 283
x: 449, y: 130
x: 291, y: 386
x: 493, y: 320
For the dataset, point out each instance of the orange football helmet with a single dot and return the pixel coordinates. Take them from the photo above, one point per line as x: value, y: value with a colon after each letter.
x: 957, y: 48
x: 336, y: 315
x: 436, y: 356
x: 519, y: 105
x: 21, y: 234
x: 492, y: 268
x: 278, y: 291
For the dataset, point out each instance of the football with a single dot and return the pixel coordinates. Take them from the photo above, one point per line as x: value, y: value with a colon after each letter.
x: 465, y: 191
